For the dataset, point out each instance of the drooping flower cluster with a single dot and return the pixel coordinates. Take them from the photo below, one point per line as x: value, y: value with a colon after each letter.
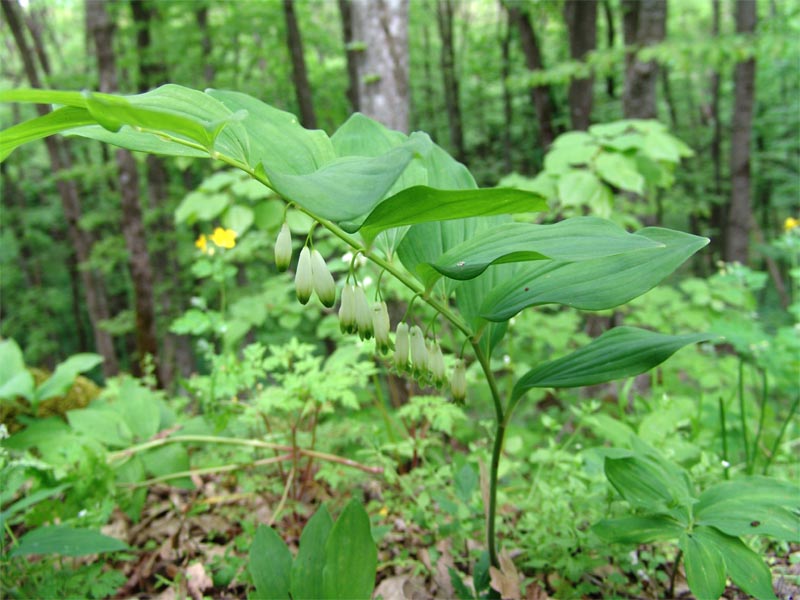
x: 413, y: 354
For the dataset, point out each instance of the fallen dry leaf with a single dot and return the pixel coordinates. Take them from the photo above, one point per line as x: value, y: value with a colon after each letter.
x: 197, y: 580
x: 505, y: 580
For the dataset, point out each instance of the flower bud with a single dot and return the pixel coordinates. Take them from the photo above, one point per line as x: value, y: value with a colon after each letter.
x: 436, y: 363
x: 303, y: 278
x: 347, y: 310
x: 419, y: 353
x: 458, y: 382
x: 323, y: 280
x: 283, y: 249
x: 363, y: 314
x: 401, y: 347
x: 381, y: 325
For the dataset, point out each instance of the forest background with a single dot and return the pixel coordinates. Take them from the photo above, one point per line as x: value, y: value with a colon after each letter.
x: 106, y: 251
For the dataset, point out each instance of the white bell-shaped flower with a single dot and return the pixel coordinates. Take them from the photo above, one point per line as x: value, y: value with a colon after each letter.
x: 303, y: 278
x: 363, y: 314
x: 347, y: 310
x: 324, y: 285
x: 458, y: 382
x: 419, y: 352
x: 401, y: 347
x: 381, y: 326
x: 283, y: 248
x: 436, y: 363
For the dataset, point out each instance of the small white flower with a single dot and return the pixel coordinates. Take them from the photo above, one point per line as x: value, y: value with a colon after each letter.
x: 419, y: 353
x: 324, y: 285
x: 347, y: 310
x: 458, y: 382
x: 363, y: 314
x: 303, y: 278
x: 401, y: 347
x: 283, y: 248
x: 436, y: 363
x: 381, y: 326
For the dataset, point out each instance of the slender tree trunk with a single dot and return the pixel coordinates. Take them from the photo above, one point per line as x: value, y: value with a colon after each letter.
x: 382, y: 27
x: 102, y: 30
x: 540, y: 94
x: 610, y: 37
x: 346, y: 13
x: 431, y: 110
x: 717, y: 217
x: 444, y: 17
x: 201, y: 17
x: 299, y: 75
x: 508, y: 108
x: 96, y: 300
x: 644, y: 24
x: 581, y: 19
x: 739, y: 218
x: 152, y: 71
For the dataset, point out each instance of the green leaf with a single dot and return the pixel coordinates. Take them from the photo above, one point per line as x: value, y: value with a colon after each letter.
x: 421, y: 204
x: 752, y: 506
x: 101, y: 424
x: 705, y: 567
x: 596, y: 284
x: 20, y: 384
x: 641, y: 483
x: 239, y: 218
x: 66, y: 541
x: 140, y: 409
x: 583, y: 188
x: 42, y: 127
x: 618, y: 353
x: 270, y: 565
x: 744, y: 566
x: 638, y: 530
x: 168, y: 460
x: 200, y: 206
x: 307, y: 569
x: 40, y: 96
x: 137, y: 141
x: 619, y: 171
x: 64, y: 375
x: 577, y: 239
x: 12, y: 362
x: 351, y: 557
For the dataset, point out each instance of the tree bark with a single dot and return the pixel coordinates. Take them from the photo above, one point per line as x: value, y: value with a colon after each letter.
x: 102, y: 31
x: 644, y: 24
x: 610, y: 37
x: 96, y: 300
x: 302, y: 88
x: 152, y: 72
x: 739, y: 212
x: 383, y: 88
x: 540, y: 94
x: 581, y: 19
x: 717, y: 218
x: 444, y: 18
x: 346, y: 13
x: 508, y: 107
x: 201, y: 16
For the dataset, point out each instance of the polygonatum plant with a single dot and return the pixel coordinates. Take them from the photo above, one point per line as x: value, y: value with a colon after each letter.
x: 403, y: 203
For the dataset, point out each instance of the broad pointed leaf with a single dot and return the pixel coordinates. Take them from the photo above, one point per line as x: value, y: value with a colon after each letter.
x: 577, y: 239
x: 41, y: 127
x: 638, y: 530
x: 351, y: 557
x: 618, y: 353
x: 705, y: 566
x: 270, y: 565
x: 752, y: 506
x: 421, y: 204
x: 744, y: 566
x: 66, y: 541
x: 595, y: 284
x: 640, y: 482
x: 307, y: 568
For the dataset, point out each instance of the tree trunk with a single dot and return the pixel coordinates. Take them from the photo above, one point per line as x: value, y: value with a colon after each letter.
x: 346, y: 13
x: 717, y: 209
x: 382, y: 27
x: 540, y: 94
x: 444, y: 17
x: 644, y: 24
x: 102, y: 31
x: 201, y: 16
x: 508, y: 108
x: 738, y: 222
x: 152, y: 72
x: 610, y: 37
x: 581, y: 19
x: 96, y: 300
x: 299, y: 75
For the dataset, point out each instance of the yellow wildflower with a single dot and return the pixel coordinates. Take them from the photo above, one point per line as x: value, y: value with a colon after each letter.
x: 201, y: 243
x: 224, y: 238
x: 790, y: 223
x: 383, y: 511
